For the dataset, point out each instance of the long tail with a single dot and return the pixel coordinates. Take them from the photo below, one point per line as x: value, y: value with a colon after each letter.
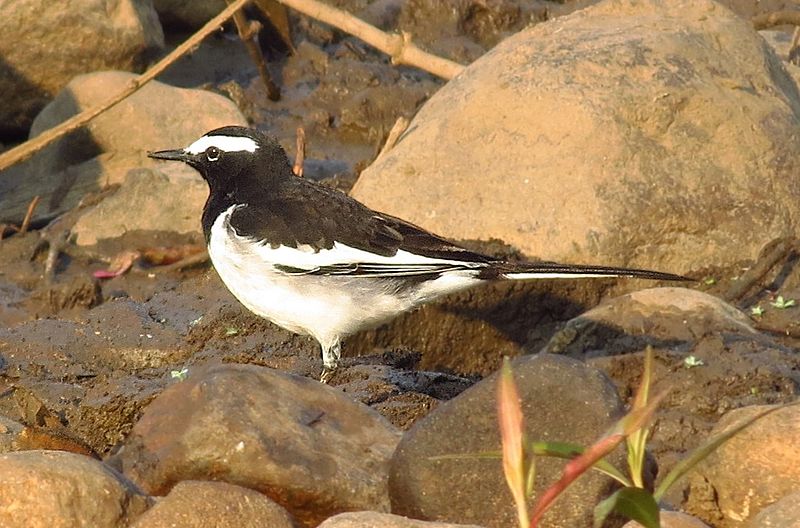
x: 553, y: 270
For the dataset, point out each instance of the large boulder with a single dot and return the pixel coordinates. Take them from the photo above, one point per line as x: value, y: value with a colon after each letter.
x: 45, y: 44
x: 648, y: 133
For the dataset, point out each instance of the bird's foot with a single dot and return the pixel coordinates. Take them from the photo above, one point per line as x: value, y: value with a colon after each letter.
x: 327, y: 374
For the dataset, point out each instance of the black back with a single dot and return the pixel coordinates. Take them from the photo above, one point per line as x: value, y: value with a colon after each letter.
x: 282, y: 209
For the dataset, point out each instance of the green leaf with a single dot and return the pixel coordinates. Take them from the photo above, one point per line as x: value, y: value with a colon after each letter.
x: 564, y: 450
x: 569, y: 451
x: 633, y: 503
x: 697, y: 456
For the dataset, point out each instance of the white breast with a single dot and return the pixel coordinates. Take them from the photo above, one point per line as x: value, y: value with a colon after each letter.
x: 325, y: 307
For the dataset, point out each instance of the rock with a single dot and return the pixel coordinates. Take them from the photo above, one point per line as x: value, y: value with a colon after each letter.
x: 46, y: 44
x: 156, y: 117
x: 671, y: 519
x: 54, y: 489
x: 651, y: 316
x: 194, y: 503
x: 146, y: 201
x: 784, y: 513
x: 305, y: 445
x: 612, y: 104
x: 9, y: 431
x: 707, y: 355
x: 780, y: 41
x: 750, y: 471
x: 188, y: 14
x: 369, y: 519
x: 562, y: 400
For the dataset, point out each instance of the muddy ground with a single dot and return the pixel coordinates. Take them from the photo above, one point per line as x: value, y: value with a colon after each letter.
x: 81, y: 357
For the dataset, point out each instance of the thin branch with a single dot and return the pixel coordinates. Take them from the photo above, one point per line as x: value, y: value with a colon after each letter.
x: 778, y: 18
x: 397, y: 130
x: 27, y: 149
x: 300, y: 153
x: 766, y: 261
x: 398, y: 47
x: 248, y: 30
x: 26, y: 222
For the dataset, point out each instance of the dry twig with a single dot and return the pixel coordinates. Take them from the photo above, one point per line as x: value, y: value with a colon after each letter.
x: 26, y: 222
x: 398, y: 47
x: 300, y: 153
x: 397, y: 130
x: 778, y: 18
x: 766, y: 262
x: 27, y: 149
x: 248, y: 30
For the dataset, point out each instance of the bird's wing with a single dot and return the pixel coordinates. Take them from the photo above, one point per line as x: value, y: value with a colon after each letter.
x: 311, y: 229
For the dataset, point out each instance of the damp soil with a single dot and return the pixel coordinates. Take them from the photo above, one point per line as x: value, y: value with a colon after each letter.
x: 80, y: 357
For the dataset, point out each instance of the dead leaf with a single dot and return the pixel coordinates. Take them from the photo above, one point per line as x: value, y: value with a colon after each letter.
x: 121, y: 263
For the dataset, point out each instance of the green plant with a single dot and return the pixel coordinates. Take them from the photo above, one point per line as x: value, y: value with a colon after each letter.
x: 631, y: 500
x: 781, y: 304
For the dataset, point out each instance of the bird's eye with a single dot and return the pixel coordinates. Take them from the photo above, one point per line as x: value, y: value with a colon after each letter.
x: 212, y: 153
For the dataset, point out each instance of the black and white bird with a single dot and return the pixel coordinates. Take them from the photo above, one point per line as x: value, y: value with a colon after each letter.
x: 317, y: 262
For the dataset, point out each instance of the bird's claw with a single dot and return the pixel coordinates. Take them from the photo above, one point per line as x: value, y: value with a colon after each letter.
x: 327, y: 374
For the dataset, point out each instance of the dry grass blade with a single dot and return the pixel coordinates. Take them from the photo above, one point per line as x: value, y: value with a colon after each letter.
x: 628, y: 424
x: 509, y: 414
x: 696, y: 456
x: 637, y: 441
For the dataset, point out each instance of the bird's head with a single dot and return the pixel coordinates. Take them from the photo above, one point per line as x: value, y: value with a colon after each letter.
x: 232, y: 155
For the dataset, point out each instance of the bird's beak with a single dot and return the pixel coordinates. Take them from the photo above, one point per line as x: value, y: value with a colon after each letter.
x: 176, y: 155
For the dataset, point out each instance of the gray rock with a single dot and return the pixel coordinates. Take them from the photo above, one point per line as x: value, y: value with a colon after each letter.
x: 562, y: 400
x: 54, y: 489
x: 156, y: 117
x: 592, y: 137
x: 752, y: 470
x: 305, y: 445
x: 193, y: 503
x: 45, y: 44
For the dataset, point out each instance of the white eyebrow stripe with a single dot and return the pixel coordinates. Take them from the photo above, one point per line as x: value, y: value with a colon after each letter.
x: 224, y: 143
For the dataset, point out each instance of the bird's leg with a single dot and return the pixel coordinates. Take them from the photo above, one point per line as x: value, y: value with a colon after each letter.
x: 330, y: 360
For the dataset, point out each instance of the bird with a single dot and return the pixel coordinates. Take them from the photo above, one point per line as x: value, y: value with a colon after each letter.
x: 316, y: 261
